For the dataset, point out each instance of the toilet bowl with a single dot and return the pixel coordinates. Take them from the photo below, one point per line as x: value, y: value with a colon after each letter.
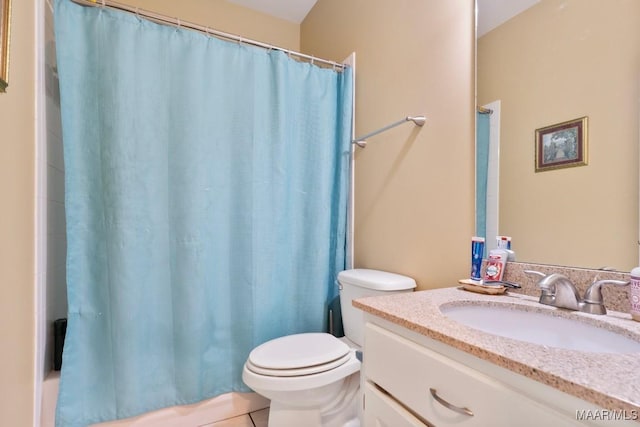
x: 313, y: 379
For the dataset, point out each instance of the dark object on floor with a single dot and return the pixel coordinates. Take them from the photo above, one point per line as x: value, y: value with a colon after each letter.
x: 59, y: 331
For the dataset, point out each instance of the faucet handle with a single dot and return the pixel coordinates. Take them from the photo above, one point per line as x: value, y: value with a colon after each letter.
x: 535, y: 273
x: 593, y: 301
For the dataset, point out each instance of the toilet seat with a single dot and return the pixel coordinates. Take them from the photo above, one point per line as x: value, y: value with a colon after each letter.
x: 298, y: 355
x: 309, y: 370
x: 271, y: 383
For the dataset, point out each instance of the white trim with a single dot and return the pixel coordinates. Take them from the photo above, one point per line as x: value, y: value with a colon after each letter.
x: 219, y: 408
x: 493, y: 177
x: 349, y: 250
x: 40, y: 217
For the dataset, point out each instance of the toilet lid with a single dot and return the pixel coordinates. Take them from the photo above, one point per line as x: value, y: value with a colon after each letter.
x: 295, y: 352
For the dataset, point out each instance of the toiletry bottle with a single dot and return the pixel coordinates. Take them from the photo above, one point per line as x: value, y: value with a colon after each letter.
x: 634, y: 294
x: 496, y: 264
x: 477, y: 249
x: 504, y: 242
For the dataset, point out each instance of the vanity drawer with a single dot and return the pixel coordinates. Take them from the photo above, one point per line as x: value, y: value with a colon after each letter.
x: 381, y: 410
x: 408, y: 371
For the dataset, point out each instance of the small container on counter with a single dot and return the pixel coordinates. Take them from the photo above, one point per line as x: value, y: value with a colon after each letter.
x: 477, y: 250
x: 496, y: 264
x: 634, y: 294
x: 504, y: 243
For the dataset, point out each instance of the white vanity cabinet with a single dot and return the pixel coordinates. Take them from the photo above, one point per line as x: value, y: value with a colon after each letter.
x: 410, y: 379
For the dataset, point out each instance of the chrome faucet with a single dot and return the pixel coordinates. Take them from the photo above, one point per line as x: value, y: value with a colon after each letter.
x: 564, y: 293
x: 558, y: 291
x: 593, y: 302
x: 547, y: 295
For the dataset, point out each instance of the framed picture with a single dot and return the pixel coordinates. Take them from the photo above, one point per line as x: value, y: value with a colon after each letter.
x: 5, y: 18
x: 562, y: 145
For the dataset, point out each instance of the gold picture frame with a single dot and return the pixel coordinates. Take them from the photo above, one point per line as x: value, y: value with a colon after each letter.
x: 5, y: 30
x: 562, y: 145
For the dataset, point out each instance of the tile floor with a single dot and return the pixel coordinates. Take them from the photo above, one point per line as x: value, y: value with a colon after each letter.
x: 254, y: 419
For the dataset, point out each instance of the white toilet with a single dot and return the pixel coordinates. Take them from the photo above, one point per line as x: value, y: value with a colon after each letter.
x: 313, y: 379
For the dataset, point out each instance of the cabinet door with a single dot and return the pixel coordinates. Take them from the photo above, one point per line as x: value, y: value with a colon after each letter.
x: 409, y: 372
x: 381, y: 410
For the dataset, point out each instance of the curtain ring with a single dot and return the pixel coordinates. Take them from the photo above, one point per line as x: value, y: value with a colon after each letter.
x: 240, y: 40
x: 138, y: 13
x: 312, y: 60
x: 206, y: 30
x: 334, y: 66
x: 103, y: 5
x: 179, y: 23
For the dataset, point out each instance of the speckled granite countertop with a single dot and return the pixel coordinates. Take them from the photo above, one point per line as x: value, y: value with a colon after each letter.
x: 605, y: 379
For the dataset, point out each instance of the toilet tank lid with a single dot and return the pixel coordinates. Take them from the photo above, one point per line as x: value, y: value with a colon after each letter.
x: 376, y: 280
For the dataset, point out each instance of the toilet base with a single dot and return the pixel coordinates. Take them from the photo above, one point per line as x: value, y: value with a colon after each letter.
x: 296, y: 417
x: 310, y: 420
x: 290, y: 417
x: 340, y: 410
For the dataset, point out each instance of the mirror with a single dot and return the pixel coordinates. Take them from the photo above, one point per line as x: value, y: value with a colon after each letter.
x: 560, y: 60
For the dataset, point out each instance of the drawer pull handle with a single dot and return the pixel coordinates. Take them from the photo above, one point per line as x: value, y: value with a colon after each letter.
x: 458, y: 409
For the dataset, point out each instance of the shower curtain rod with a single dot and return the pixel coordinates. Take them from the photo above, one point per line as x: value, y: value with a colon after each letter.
x: 483, y: 110
x: 167, y: 20
x: 417, y: 120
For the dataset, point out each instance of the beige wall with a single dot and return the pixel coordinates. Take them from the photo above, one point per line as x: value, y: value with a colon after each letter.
x: 17, y: 157
x: 561, y: 60
x: 414, y: 186
x: 228, y: 17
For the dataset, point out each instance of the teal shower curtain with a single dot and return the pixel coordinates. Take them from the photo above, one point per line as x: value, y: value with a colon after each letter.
x: 482, y: 165
x: 206, y: 187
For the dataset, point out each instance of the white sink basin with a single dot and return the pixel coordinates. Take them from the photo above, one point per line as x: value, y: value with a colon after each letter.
x: 539, y: 328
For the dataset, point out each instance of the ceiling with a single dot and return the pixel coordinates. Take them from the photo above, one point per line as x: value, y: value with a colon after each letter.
x: 491, y: 12
x: 289, y: 10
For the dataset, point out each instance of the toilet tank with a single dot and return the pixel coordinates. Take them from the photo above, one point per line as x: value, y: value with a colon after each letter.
x: 359, y: 283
